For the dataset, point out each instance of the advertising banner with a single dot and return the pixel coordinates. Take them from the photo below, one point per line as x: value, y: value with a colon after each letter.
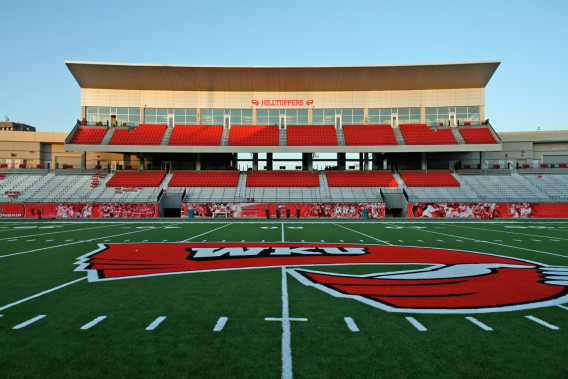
x: 284, y: 210
x: 78, y: 210
x: 488, y: 210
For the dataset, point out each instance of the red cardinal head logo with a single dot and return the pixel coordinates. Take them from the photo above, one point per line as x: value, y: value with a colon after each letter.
x: 450, y: 281
x: 254, y: 102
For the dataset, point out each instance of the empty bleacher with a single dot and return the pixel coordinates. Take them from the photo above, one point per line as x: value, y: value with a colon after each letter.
x: 554, y: 186
x: 429, y: 179
x: 360, y: 179
x: 144, y: 134
x: 369, y: 135
x: 88, y: 136
x: 422, y: 134
x: 196, y: 135
x: 136, y: 179
x: 253, y: 135
x: 282, y: 179
x: 502, y: 188
x: 204, y: 179
x: 311, y: 135
x: 477, y: 135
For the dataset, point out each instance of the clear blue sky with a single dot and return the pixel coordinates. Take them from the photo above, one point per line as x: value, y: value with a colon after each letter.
x: 529, y: 37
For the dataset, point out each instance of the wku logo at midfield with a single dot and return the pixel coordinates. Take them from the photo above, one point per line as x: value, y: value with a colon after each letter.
x: 454, y: 281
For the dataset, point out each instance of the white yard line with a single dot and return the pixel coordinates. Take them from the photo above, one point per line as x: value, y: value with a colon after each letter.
x: 71, y: 243
x: 479, y: 323
x: 155, y: 323
x: 220, y: 324
x: 351, y: 324
x: 282, y: 232
x: 286, y: 332
x: 516, y: 233
x: 93, y: 323
x: 363, y: 234
x: 41, y: 293
x: 202, y: 234
x: 543, y: 323
x: 52, y: 233
x: 562, y: 306
x: 491, y: 243
x: 30, y: 321
x: 416, y: 324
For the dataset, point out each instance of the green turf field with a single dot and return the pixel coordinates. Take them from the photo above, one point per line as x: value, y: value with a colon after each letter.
x: 216, y: 322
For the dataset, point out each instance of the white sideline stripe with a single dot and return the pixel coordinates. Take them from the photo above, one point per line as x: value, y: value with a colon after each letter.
x: 492, y: 243
x: 562, y: 306
x: 220, y: 324
x: 93, y: 323
x: 62, y: 231
x: 521, y: 234
x: 70, y: 243
x: 30, y: 321
x: 199, y: 235
x: 155, y: 323
x: 286, y: 332
x: 282, y: 232
x: 543, y: 323
x: 479, y: 323
x: 363, y: 234
x: 416, y: 324
x: 351, y: 324
x: 41, y: 293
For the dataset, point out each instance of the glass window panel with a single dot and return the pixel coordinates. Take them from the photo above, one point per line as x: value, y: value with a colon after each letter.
x: 150, y: 112
x: 317, y: 113
x: 161, y: 119
x: 329, y: 119
x: 461, y: 110
x: 291, y: 119
x: 247, y: 119
x: 191, y: 112
x: 123, y: 111
x: 471, y: 110
x: 358, y: 119
x: 374, y: 112
x: 247, y: 113
x: 329, y: 112
x: 179, y: 119
x: 317, y: 119
x: 359, y: 112
x: 415, y: 112
x: 135, y: 119
x: 121, y: 118
x: 219, y: 112
x: 104, y: 110
x: 218, y: 120
x: 92, y: 117
x: 403, y: 112
x: 274, y: 119
x: 443, y: 112
x: 261, y: 113
x: 179, y: 112
x: 346, y: 112
x: 134, y: 111
x: 206, y: 119
x: 302, y: 113
x: 161, y: 112
x: 236, y: 120
x: 431, y: 111
x: 347, y: 120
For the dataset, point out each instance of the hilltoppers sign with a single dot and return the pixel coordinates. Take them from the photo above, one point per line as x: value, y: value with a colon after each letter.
x: 282, y: 103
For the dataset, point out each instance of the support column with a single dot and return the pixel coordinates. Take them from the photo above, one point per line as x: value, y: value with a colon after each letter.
x: 83, y: 160
x: 307, y: 161
x: 255, y: 161
x: 269, y: 161
x: 126, y: 160
x: 361, y: 161
x: 341, y: 161
x: 141, y: 162
x: 198, y: 161
x: 424, y: 162
x: 366, y: 161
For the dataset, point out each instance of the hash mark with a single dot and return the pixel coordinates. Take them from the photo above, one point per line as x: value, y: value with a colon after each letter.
x: 155, y: 323
x: 351, y: 324
x: 220, y: 324
x: 479, y: 323
x: 542, y: 322
x: 30, y: 321
x: 416, y: 324
x: 93, y: 323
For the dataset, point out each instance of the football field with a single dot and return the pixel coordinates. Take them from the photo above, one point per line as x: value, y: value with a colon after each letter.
x: 284, y: 298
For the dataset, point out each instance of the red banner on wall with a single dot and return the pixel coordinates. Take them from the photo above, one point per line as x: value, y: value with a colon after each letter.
x: 488, y: 210
x: 374, y: 210
x: 78, y: 210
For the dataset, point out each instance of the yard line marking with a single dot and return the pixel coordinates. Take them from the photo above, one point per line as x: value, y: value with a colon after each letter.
x: 518, y: 240
x: 241, y: 241
x: 93, y: 323
x: 492, y: 243
x: 541, y: 322
x: 351, y: 324
x: 508, y: 232
x: 204, y: 241
x: 71, y: 243
x: 305, y: 241
x: 420, y: 241
x: 400, y: 241
x: 30, y: 240
x: 68, y: 240
x: 48, y: 240
x: 41, y: 293
x: 322, y: 240
x: 562, y: 306
x: 30, y: 321
x: 145, y: 241
x: 282, y: 232
x: 290, y: 318
x: 286, y: 332
x: 226, y: 241
x: 416, y: 324
x: 164, y: 240
x: 12, y: 240
x: 155, y: 323
x: 62, y: 231
x: 479, y: 323
x: 498, y: 240
x: 126, y: 240
x: 361, y: 241
x: 220, y: 324
x: 363, y: 234
x: 199, y: 235
x: 261, y: 241
x: 339, y: 241
x: 440, y: 240
x: 536, y: 240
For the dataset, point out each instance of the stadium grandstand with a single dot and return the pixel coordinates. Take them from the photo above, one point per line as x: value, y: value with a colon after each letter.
x: 232, y: 141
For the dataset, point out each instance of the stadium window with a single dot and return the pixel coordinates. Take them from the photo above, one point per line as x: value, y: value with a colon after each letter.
x: 380, y: 116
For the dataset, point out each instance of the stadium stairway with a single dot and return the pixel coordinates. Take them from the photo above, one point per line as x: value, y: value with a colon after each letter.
x: 458, y: 136
x: 340, y: 137
x: 466, y: 188
x: 107, y: 136
x: 225, y: 137
x: 36, y: 186
x: 399, y: 138
x: 98, y: 191
x: 325, y: 193
x: 166, y: 136
x: 282, y: 137
x: 240, y: 194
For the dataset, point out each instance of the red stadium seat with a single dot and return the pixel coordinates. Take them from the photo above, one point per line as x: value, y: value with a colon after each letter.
x: 311, y: 135
x: 429, y: 179
x: 253, y: 135
x: 204, y: 179
x: 144, y: 134
x: 136, y: 179
x: 88, y: 136
x: 477, y: 135
x: 360, y: 179
x: 421, y: 134
x: 282, y: 179
x: 196, y: 135
x: 369, y: 135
